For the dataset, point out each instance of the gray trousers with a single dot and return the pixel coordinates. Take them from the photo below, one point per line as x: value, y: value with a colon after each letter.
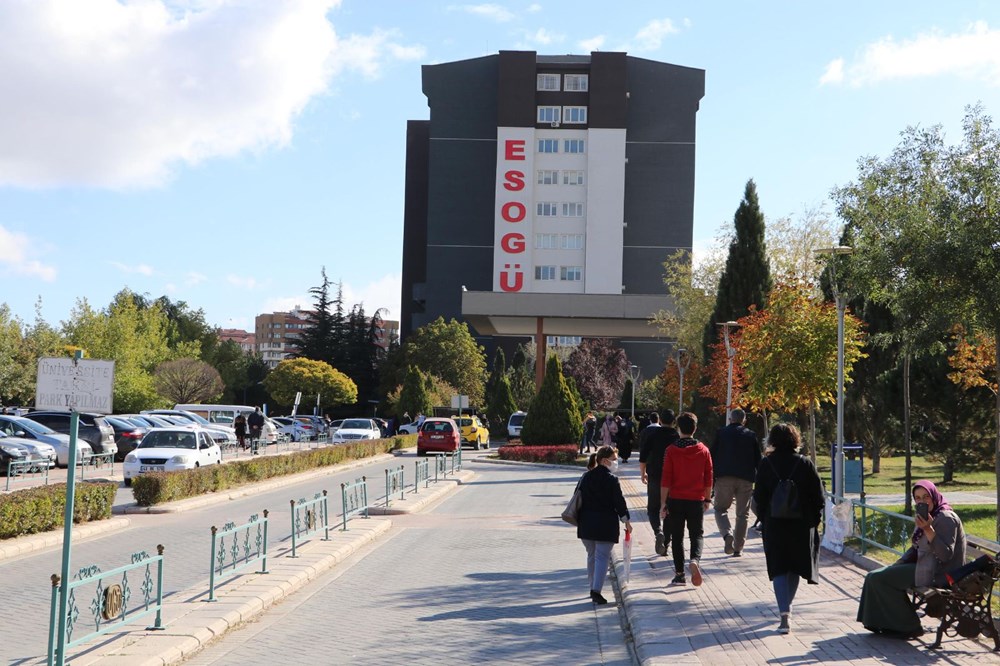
x: 730, y: 490
x: 598, y: 559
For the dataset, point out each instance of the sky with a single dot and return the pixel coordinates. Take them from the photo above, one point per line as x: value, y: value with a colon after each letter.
x: 224, y: 152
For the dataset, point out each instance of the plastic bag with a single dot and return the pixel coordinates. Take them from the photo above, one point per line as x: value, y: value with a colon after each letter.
x: 627, y: 556
x: 839, y: 525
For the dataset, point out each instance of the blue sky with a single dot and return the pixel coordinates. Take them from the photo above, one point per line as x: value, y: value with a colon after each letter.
x: 222, y: 152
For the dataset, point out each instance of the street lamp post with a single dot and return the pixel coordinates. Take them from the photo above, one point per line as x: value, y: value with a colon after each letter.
x: 841, y: 301
x: 730, y: 354
x: 682, y: 366
x: 633, y: 374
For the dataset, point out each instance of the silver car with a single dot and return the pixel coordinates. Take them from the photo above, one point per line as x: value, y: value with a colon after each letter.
x: 18, y: 426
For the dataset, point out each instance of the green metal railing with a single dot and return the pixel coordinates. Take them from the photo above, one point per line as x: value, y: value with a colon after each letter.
x: 355, y: 499
x: 111, y: 605
x: 96, y: 462
x: 26, y: 471
x: 878, y: 528
x: 394, y: 483
x: 447, y: 462
x: 421, y: 473
x: 309, y: 517
x: 247, y: 545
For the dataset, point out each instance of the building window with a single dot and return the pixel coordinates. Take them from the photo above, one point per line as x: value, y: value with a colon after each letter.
x: 571, y: 273
x: 546, y: 241
x: 549, y: 82
x: 545, y: 272
x: 546, y: 209
x: 571, y: 242
x: 572, y: 210
x: 576, y: 83
x: 547, y: 177
x: 549, y: 114
x: 572, y: 178
x: 548, y: 145
x: 563, y: 340
x: 575, y: 114
x: 573, y: 146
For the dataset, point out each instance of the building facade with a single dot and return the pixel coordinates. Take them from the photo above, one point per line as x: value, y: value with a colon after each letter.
x: 277, y: 334
x: 549, y: 190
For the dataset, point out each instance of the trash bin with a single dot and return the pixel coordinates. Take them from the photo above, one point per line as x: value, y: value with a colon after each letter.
x: 854, y: 467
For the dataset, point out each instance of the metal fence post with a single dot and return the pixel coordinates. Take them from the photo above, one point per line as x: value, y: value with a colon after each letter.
x: 864, y: 528
x: 264, y: 558
x: 53, y: 618
x: 211, y: 571
x: 326, y: 517
x: 158, y: 625
x: 364, y: 492
x: 295, y: 526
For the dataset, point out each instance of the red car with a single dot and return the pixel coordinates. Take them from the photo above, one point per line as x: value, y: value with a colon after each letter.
x: 438, y: 434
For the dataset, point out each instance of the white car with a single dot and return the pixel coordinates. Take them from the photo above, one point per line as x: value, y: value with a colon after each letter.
x: 227, y: 431
x: 354, y: 429
x: 170, y: 450
x: 289, y: 426
x: 18, y: 426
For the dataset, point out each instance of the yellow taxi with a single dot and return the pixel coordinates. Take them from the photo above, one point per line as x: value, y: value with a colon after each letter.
x: 473, y: 432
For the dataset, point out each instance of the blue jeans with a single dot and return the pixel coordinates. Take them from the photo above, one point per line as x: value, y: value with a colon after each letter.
x: 598, y: 558
x: 785, y: 587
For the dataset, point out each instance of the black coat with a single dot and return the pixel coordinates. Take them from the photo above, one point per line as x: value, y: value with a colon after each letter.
x: 790, y: 546
x: 736, y: 452
x: 603, y: 506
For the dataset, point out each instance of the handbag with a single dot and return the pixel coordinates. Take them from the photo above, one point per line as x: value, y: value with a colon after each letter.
x: 572, y: 511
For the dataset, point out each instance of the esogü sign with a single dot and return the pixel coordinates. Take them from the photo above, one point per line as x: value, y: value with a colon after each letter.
x: 513, y: 223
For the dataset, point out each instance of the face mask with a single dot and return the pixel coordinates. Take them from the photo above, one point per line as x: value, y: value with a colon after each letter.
x: 614, y: 467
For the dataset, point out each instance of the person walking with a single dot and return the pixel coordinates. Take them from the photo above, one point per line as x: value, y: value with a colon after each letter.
x: 653, y: 443
x: 608, y: 431
x: 625, y: 436
x: 735, y: 456
x: 240, y: 426
x: 602, y: 508
x: 685, y: 489
x: 791, y: 545
x: 938, y: 546
x: 589, y: 427
x: 256, y: 423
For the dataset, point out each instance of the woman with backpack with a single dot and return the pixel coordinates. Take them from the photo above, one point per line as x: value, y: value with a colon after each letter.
x: 789, y: 497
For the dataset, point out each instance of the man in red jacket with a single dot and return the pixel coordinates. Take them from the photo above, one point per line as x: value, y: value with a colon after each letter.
x: 685, y: 495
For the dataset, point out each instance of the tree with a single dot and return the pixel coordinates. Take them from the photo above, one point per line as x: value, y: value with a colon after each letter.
x: 500, y: 400
x: 746, y: 279
x: 522, y: 376
x: 552, y: 417
x: 598, y: 367
x: 316, y: 340
x: 414, y: 398
x: 449, y: 351
x: 311, y: 378
x: 188, y: 380
x: 669, y: 387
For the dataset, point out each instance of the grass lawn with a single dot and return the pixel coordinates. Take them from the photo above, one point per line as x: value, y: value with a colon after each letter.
x: 891, y: 477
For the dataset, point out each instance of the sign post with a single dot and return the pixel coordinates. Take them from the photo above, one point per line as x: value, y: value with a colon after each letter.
x: 458, y: 402
x: 72, y: 383
x: 298, y: 400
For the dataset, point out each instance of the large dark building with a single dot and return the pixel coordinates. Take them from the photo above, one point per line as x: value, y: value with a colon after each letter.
x: 545, y: 193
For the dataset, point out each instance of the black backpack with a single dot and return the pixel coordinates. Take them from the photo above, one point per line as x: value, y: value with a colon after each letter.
x: 785, y: 503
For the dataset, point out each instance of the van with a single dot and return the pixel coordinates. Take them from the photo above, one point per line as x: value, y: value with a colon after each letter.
x: 514, y: 425
x: 225, y: 415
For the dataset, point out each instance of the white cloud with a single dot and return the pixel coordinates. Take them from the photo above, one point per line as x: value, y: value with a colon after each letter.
x: 650, y: 36
x: 116, y: 94
x: 592, y: 44
x: 141, y: 269
x: 542, y: 37
x: 382, y: 293
x: 17, y: 257
x: 170, y: 288
x: 973, y: 53
x: 242, y: 282
x: 193, y: 278
x: 534, y: 8
x: 489, y: 11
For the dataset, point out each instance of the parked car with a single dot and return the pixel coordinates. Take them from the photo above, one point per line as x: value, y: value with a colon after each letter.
x: 11, y: 450
x: 40, y: 451
x: 92, y: 428
x: 333, y: 425
x: 473, y: 432
x: 411, y: 428
x: 170, y: 450
x: 227, y: 437
x: 319, y: 424
x: 438, y: 434
x: 295, y: 430
x: 19, y: 426
x: 514, y: 424
x: 355, y: 429
x: 147, y: 420
x: 127, y: 435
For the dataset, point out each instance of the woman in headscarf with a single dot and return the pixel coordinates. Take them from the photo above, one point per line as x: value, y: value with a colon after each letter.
x: 938, y: 546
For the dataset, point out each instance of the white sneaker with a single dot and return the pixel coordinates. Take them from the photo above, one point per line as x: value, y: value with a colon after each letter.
x: 695, y: 573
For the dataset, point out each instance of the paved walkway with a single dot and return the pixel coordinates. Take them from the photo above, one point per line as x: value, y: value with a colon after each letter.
x: 732, y: 618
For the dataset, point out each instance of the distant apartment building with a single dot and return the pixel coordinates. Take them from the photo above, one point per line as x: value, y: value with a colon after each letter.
x: 277, y: 334
x: 245, y: 339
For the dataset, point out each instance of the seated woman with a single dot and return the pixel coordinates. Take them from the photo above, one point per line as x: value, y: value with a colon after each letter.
x: 938, y: 547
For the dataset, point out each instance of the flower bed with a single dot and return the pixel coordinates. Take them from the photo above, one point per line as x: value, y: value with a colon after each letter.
x: 562, y: 454
x: 41, y: 509
x: 160, y: 487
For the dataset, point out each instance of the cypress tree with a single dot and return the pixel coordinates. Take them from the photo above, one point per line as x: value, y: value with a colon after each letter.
x: 746, y: 279
x: 552, y: 417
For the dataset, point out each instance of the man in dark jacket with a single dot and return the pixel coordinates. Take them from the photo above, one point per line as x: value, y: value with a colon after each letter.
x: 653, y: 443
x: 735, y: 456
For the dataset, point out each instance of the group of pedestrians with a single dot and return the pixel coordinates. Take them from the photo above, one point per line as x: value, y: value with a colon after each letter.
x: 614, y: 430
x: 684, y: 479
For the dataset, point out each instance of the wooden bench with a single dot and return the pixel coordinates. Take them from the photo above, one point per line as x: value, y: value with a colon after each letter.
x: 964, y: 609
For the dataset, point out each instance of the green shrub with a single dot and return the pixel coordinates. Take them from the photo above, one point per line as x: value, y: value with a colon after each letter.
x: 41, y: 509
x: 160, y: 487
x: 553, y: 417
x: 560, y: 455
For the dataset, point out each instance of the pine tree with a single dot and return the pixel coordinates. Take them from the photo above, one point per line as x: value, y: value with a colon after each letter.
x: 552, y: 417
x: 746, y: 279
x: 316, y: 339
x: 414, y: 398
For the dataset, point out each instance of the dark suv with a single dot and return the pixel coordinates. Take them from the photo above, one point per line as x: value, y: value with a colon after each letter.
x: 93, y: 428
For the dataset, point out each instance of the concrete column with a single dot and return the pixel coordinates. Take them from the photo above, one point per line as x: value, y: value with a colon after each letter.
x: 539, y: 352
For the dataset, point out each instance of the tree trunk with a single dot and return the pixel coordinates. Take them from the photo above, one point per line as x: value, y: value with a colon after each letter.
x: 996, y: 338
x: 949, y: 470
x: 812, y: 433
x: 906, y: 434
x: 876, y: 458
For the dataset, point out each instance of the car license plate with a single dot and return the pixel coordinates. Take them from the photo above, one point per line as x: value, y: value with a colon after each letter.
x: 151, y: 468
x: 437, y: 436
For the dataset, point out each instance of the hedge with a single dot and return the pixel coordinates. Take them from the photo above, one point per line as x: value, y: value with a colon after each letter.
x: 41, y: 509
x: 563, y: 454
x: 159, y: 487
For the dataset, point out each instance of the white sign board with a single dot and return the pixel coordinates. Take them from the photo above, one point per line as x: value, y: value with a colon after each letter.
x: 459, y: 402
x: 85, y: 385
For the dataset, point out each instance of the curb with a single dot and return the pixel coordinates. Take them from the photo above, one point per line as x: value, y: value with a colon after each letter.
x: 36, y: 542
x: 192, y: 503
